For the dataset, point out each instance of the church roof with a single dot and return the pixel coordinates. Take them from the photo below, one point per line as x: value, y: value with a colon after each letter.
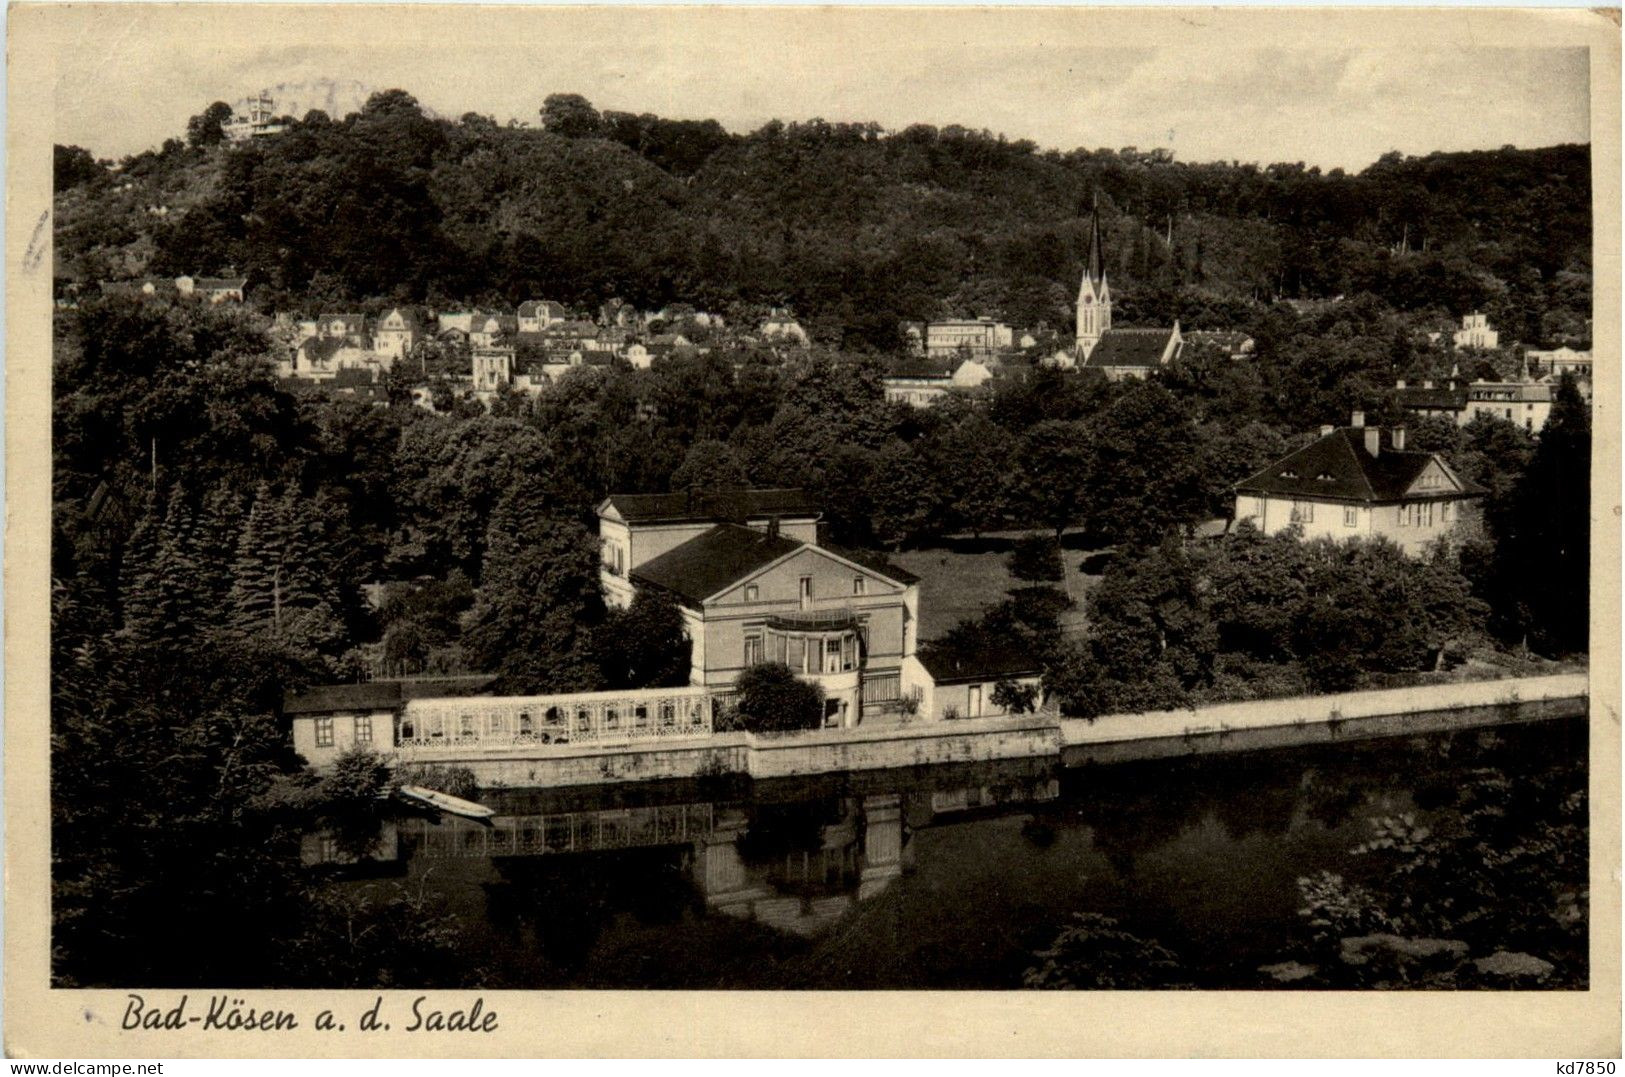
x: 1131, y: 348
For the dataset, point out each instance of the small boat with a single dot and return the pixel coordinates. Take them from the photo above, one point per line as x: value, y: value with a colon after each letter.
x: 444, y: 802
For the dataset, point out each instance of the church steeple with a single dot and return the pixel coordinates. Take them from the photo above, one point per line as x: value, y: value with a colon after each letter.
x: 1094, y: 295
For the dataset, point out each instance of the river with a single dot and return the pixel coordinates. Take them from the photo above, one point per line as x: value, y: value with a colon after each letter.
x: 944, y: 877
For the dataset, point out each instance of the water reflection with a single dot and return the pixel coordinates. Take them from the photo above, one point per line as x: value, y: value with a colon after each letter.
x: 934, y: 878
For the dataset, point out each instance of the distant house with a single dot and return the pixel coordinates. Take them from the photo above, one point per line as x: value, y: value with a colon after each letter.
x: 923, y: 382
x: 638, y: 355
x: 490, y: 330
x: 975, y: 338
x: 956, y: 684
x: 1134, y: 353
x: 537, y: 314
x: 754, y: 587
x: 1560, y: 361
x: 350, y: 328
x: 1225, y: 342
x: 781, y: 327
x: 493, y: 368
x: 1358, y: 482
x: 214, y: 289
x: 331, y: 720
x: 1475, y: 332
x: 395, y: 334
x: 458, y: 321
x: 1427, y: 400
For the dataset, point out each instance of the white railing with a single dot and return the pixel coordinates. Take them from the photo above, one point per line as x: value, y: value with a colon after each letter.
x: 494, y: 723
x: 570, y: 832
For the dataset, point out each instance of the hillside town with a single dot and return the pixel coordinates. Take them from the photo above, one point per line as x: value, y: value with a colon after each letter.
x: 571, y: 484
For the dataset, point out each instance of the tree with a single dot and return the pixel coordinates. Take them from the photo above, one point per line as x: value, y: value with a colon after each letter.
x: 1036, y: 559
x: 1014, y: 697
x: 570, y: 115
x: 72, y: 166
x: 538, y: 602
x: 1544, y: 535
x: 208, y: 127
x: 709, y: 465
x: 645, y: 645
x: 772, y: 699
x: 1053, y: 473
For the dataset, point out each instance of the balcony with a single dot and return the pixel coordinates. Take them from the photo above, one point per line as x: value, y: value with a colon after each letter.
x: 833, y: 619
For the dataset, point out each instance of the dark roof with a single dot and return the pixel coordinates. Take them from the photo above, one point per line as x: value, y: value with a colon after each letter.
x: 215, y: 284
x: 1338, y: 467
x: 718, y: 505
x: 708, y: 563
x: 921, y: 368
x: 959, y: 665
x: 875, y: 562
x: 1449, y: 397
x: 1130, y: 348
x: 381, y: 695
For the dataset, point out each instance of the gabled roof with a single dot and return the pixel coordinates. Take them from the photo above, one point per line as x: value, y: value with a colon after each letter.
x: 718, y: 505
x: 1130, y: 348
x: 353, y: 323
x: 709, y: 562
x: 1448, y: 398
x: 1338, y: 467
x: 921, y: 368
x: 408, y: 319
x: 875, y: 563
x: 958, y: 665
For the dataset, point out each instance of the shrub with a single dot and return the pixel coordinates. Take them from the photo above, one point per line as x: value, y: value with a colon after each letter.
x: 772, y: 699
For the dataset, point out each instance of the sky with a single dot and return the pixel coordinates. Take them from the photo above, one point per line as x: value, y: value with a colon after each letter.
x: 1064, y: 79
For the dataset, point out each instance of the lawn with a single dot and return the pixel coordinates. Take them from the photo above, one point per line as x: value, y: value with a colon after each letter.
x: 959, y: 583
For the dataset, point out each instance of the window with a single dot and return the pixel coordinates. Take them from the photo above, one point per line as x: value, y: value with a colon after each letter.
x: 324, y: 732
x: 882, y: 689
x: 974, y: 702
x: 363, y: 729
x: 849, y: 651
x: 752, y: 592
x: 465, y: 727
x: 1303, y: 512
x: 1444, y: 512
x: 1351, y: 516
x: 806, y: 588
x: 526, y: 726
x: 1417, y: 514
x: 409, y: 730
x: 493, y: 724
x: 753, y: 649
x: 859, y: 584
x: 797, y: 659
x: 832, y: 654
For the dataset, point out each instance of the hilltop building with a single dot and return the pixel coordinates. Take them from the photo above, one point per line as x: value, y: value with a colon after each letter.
x: 1476, y: 332
x: 256, y: 118
x: 972, y: 338
x: 1358, y: 482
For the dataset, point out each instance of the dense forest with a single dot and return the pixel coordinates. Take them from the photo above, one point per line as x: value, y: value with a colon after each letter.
x: 215, y: 530
x: 852, y: 226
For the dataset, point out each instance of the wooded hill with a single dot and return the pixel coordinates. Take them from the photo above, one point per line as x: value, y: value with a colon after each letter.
x: 852, y: 226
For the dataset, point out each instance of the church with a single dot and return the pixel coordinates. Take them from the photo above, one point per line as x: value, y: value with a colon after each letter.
x: 1117, y: 353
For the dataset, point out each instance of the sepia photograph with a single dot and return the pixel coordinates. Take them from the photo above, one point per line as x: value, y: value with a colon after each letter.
x: 825, y: 500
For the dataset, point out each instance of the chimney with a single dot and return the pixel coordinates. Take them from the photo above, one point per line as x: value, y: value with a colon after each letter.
x: 772, y: 527
x: 1373, y: 439
x: 1399, y: 438
x: 1327, y: 430
x: 1358, y: 419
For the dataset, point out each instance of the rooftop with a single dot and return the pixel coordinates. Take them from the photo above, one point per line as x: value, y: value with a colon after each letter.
x: 1339, y: 467
x: 381, y: 695
x: 710, y: 562
x: 1130, y: 348
x: 718, y: 505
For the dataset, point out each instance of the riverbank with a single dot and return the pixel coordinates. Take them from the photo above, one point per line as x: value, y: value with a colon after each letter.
x: 1074, y: 742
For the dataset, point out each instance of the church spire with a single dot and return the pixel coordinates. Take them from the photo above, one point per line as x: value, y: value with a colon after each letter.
x: 1097, y: 256
x: 1094, y: 294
